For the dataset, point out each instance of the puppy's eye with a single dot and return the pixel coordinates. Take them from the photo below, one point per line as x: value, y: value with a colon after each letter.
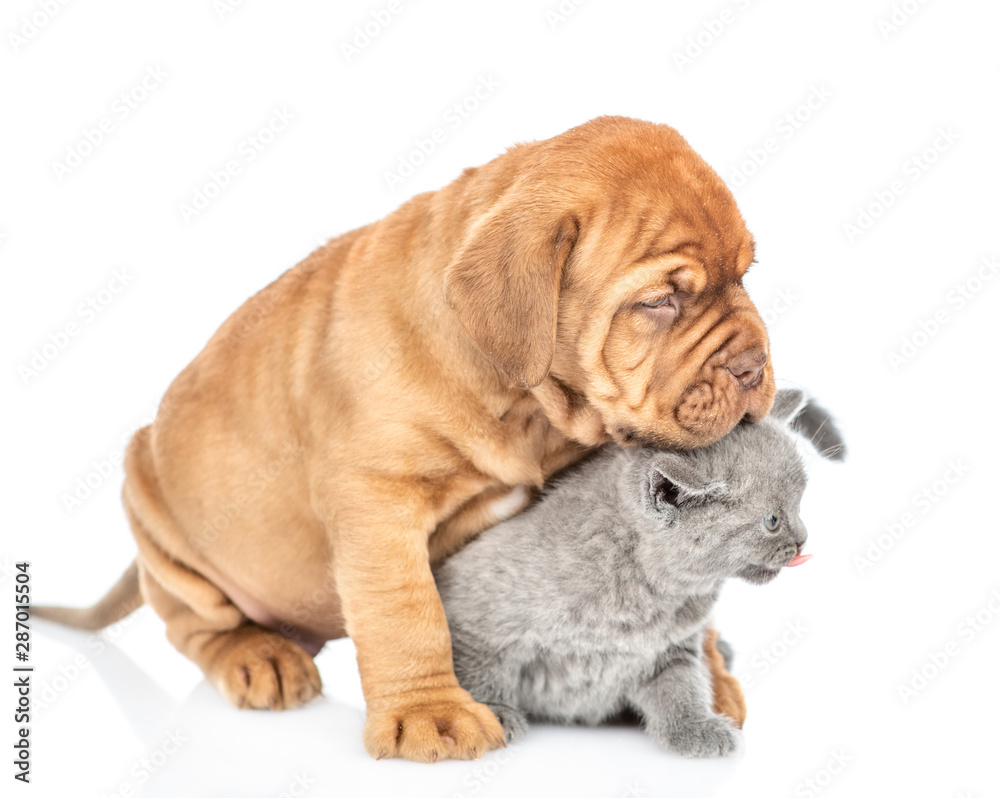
x: 666, y: 299
x: 663, y: 308
x: 772, y: 522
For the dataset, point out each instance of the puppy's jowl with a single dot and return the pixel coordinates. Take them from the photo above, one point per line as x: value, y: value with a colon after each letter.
x: 573, y: 291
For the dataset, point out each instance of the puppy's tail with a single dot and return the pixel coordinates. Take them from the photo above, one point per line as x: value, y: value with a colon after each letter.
x: 119, y: 602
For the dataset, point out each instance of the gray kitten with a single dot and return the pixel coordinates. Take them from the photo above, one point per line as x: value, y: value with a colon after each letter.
x: 595, y: 599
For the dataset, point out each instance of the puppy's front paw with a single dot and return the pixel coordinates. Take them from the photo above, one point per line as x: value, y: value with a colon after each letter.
x: 450, y: 726
x: 704, y: 738
x: 514, y: 721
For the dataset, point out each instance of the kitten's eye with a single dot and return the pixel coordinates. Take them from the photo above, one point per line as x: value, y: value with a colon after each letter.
x: 772, y: 522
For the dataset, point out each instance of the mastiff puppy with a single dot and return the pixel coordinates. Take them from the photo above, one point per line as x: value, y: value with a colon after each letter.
x: 409, y: 384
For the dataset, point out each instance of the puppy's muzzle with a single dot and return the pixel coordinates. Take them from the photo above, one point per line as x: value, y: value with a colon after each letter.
x: 748, y: 367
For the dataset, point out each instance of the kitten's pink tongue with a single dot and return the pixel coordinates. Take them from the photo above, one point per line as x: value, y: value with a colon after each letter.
x: 798, y: 559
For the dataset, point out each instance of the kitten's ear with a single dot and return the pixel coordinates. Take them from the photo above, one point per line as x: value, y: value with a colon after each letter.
x: 815, y: 424
x: 664, y: 494
x: 808, y: 419
x: 674, y: 479
x: 788, y: 402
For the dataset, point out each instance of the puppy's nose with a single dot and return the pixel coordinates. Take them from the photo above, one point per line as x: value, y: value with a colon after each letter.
x: 748, y: 367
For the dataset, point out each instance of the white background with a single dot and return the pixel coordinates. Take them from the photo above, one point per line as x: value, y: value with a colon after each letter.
x: 839, y: 305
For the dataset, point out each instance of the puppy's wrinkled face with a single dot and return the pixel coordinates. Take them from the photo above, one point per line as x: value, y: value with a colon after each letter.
x: 655, y: 327
x: 604, y: 272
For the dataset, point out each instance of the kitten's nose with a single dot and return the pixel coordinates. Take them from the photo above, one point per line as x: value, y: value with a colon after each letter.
x: 748, y: 367
x: 799, y: 536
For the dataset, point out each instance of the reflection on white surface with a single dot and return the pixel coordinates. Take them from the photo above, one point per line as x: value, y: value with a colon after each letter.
x: 121, y: 732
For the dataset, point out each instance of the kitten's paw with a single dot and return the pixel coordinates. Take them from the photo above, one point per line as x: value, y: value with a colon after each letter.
x: 514, y: 721
x: 704, y: 738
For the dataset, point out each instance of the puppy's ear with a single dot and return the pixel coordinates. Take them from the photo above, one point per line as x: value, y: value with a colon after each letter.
x: 504, y: 284
x: 812, y: 422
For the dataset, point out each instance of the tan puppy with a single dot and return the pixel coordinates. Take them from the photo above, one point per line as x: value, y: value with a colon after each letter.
x: 726, y: 691
x: 407, y: 385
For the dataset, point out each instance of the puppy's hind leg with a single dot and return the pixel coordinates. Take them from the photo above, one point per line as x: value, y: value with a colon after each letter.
x: 251, y: 666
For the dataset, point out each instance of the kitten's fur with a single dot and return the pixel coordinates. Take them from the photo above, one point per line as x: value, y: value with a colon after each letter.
x: 595, y: 599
